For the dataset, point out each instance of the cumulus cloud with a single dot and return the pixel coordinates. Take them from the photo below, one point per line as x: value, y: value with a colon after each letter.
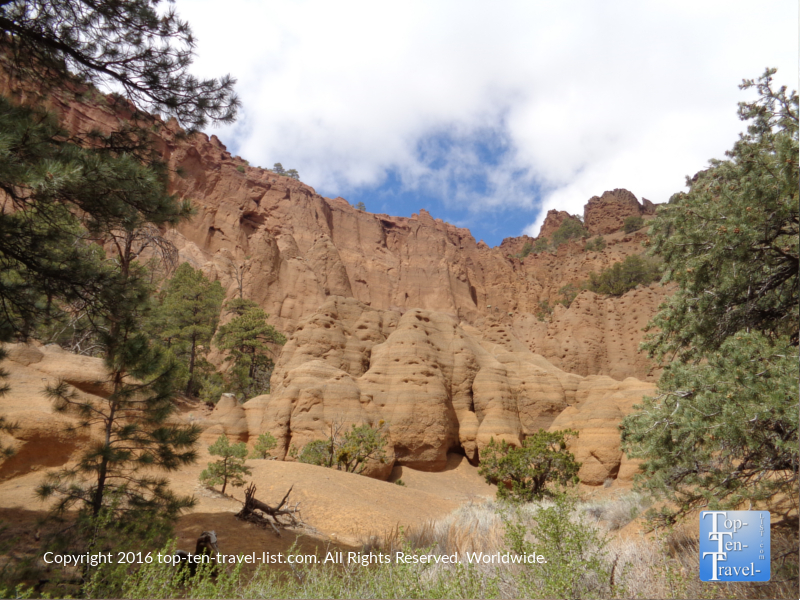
x: 489, y: 107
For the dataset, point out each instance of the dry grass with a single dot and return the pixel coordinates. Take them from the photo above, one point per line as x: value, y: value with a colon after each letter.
x: 473, y: 527
x: 652, y: 566
x: 647, y: 566
x: 615, y: 513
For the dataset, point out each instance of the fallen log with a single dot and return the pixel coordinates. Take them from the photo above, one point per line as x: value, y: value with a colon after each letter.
x: 262, y: 514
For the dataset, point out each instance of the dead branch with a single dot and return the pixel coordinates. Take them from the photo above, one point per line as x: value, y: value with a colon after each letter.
x: 263, y: 514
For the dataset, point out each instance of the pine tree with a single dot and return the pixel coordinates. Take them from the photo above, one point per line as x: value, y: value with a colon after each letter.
x: 48, y: 175
x: 522, y: 474
x: 723, y: 428
x: 44, y: 251
x: 137, y: 435
x: 188, y: 317
x: 68, y: 196
x: 731, y: 241
x: 249, y: 339
x: 6, y: 426
x: 131, y: 45
x: 230, y: 468
x: 265, y: 444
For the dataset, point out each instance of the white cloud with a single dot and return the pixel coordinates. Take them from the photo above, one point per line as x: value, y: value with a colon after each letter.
x: 587, y: 96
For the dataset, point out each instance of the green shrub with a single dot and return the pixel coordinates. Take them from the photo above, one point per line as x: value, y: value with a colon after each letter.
x: 624, y: 276
x: 598, y: 244
x: 265, y: 443
x: 570, y: 229
x: 347, y: 450
x: 317, y: 453
x: 632, y: 223
x: 543, y: 310
x: 279, y: 170
x: 526, y: 249
x: 230, y: 469
x: 540, y: 245
x: 568, y: 293
x: 160, y: 579
x: 522, y: 474
x: 240, y: 168
x: 576, y: 564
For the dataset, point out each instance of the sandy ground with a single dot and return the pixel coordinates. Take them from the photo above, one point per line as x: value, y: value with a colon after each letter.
x: 343, y: 507
x: 335, y: 506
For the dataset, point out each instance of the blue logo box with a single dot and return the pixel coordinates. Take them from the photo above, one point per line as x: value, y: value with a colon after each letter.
x: 734, y: 545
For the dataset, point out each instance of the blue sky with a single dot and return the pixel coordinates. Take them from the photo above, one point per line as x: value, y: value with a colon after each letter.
x: 489, y: 115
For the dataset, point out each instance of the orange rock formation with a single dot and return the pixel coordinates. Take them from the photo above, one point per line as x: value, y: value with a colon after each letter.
x: 408, y: 320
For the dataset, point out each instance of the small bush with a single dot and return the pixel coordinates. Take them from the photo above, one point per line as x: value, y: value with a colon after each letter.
x: 568, y: 293
x: 624, y: 276
x: 540, y: 245
x: 570, y: 229
x: 231, y: 469
x: 543, y: 310
x: 577, y: 561
x: 522, y: 474
x: 598, y: 244
x: 348, y: 451
x: 317, y: 453
x: 632, y: 223
x: 240, y: 168
x: 619, y: 511
x: 265, y: 443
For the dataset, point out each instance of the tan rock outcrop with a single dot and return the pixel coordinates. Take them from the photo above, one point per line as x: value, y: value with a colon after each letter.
x: 406, y: 320
x: 292, y: 248
x: 606, y: 213
x: 439, y: 386
x: 228, y: 418
x: 600, y: 405
x: 600, y: 334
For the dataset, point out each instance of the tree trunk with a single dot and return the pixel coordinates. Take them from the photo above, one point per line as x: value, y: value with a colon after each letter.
x: 191, y: 366
x: 224, y: 475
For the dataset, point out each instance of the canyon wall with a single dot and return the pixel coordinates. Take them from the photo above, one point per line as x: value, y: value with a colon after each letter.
x: 410, y: 321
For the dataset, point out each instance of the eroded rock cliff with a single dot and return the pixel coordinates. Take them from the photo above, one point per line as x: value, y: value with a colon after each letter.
x: 405, y: 320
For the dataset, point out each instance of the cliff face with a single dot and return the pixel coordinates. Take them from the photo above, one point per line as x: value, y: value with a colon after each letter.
x: 440, y: 386
x: 293, y: 249
x: 606, y: 213
x: 405, y: 320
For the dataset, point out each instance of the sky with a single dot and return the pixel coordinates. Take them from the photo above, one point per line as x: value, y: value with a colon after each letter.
x: 489, y: 114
